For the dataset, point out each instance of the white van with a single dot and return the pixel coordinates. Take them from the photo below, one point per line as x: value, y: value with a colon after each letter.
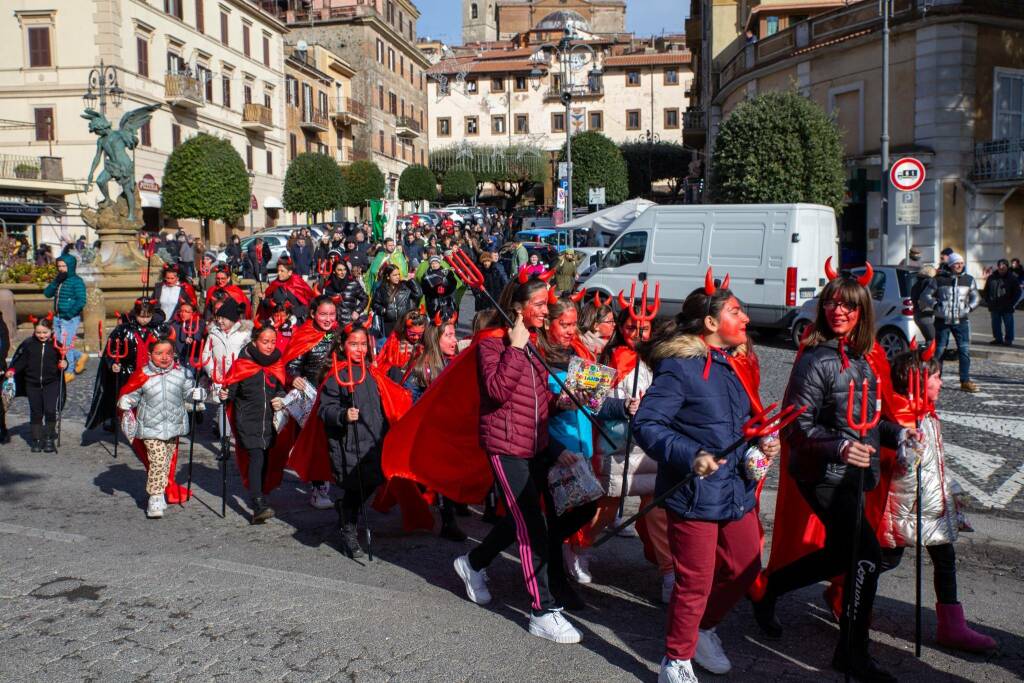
x: 773, y: 253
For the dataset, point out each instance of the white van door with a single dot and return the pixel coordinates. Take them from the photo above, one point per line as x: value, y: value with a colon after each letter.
x: 625, y: 260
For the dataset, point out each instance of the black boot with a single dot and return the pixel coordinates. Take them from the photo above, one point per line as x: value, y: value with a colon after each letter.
x: 261, y: 510
x: 50, y: 443
x: 764, y: 615
x: 860, y: 666
x: 348, y: 535
x: 37, y: 438
x: 449, y: 527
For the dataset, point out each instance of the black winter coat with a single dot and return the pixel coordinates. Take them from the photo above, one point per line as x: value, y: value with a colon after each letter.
x: 390, y: 307
x: 354, y: 298
x: 815, y: 439
x: 439, y: 291
x: 254, y: 416
x: 35, y: 363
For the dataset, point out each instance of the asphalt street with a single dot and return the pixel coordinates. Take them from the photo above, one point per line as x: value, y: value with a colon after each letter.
x: 92, y: 590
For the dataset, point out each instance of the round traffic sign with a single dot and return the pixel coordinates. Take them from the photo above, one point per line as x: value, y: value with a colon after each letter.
x: 907, y: 174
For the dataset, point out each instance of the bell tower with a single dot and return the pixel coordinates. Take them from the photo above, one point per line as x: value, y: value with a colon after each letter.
x: 479, y: 21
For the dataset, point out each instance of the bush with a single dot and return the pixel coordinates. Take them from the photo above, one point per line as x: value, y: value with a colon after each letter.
x: 596, y: 162
x: 313, y: 184
x: 458, y: 185
x: 647, y: 163
x: 417, y: 184
x: 205, y: 178
x: 778, y: 148
x: 363, y: 181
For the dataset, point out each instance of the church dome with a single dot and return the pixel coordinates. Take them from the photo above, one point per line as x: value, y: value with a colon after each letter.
x: 556, y: 21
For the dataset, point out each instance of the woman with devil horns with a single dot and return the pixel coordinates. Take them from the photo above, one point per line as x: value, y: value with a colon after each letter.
x: 223, y: 286
x: 694, y: 411
x: 403, y: 346
x: 36, y: 367
x: 597, y: 322
x: 831, y: 461
x: 287, y: 288
x: 514, y: 409
x: 342, y: 283
x: 171, y: 292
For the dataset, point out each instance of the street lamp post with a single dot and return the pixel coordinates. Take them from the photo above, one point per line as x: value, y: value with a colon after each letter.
x: 885, y: 133
x: 102, y: 83
x: 252, y: 186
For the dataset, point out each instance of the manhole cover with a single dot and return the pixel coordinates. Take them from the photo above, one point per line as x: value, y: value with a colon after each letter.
x: 67, y: 587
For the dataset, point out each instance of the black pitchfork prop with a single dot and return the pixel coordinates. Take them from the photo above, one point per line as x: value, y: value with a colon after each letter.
x: 862, y: 427
x: 62, y: 348
x: 195, y: 361
x: 468, y: 272
x: 757, y: 427
x: 644, y: 315
x: 350, y: 384
x: 218, y: 376
x: 116, y: 350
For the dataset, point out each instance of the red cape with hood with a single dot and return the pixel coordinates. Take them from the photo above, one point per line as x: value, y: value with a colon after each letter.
x: 174, y: 492
x: 294, y: 284
x: 798, y: 531
x: 233, y: 291
x: 243, y: 369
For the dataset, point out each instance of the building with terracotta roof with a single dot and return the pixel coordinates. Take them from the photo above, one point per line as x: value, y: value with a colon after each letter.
x: 490, y: 20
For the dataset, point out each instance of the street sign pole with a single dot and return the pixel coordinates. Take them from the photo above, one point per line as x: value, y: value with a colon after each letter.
x: 885, y: 132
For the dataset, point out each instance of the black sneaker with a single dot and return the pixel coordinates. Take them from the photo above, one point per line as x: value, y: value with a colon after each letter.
x: 861, y: 666
x: 764, y: 615
x: 37, y: 446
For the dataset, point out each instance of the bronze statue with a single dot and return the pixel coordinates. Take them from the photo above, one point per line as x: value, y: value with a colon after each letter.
x: 112, y: 146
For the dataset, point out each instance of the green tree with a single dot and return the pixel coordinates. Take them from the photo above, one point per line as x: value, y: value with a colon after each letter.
x: 513, y: 170
x: 205, y: 179
x: 363, y: 181
x: 458, y: 185
x: 313, y: 184
x: 647, y: 163
x: 778, y: 148
x: 417, y: 184
x: 596, y: 162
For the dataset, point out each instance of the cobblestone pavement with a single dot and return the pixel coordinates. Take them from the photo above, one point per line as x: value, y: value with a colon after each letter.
x: 91, y: 590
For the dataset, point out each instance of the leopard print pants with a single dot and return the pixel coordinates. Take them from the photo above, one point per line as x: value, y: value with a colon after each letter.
x: 159, y: 454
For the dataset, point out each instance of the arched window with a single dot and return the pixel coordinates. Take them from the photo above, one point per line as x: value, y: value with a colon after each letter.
x: 474, y: 12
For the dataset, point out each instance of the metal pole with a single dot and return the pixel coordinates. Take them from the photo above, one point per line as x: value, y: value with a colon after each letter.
x: 884, y: 256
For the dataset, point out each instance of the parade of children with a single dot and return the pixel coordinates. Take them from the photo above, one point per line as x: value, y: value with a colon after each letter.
x: 517, y: 443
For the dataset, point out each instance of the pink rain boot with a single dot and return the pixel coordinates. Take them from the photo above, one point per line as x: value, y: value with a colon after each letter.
x: 954, y: 632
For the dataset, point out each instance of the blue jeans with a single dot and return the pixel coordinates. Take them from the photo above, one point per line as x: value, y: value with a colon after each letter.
x: 64, y: 332
x: 961, y: 332
x: 1000, y: 321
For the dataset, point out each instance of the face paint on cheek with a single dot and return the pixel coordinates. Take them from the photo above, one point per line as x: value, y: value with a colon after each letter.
x: 733, y: 329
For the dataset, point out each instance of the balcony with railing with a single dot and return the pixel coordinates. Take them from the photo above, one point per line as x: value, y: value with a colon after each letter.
x: 183, y: 90
x: 407, y: 127
x: 695, y: 119
x: 312, y: 120
x: 38, y: 174
x: 257, y: 117
x: 999, y: 162
x: 578, y: 91
x: 348, y: 111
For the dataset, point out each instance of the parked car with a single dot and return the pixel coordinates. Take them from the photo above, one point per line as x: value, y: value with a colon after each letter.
x: 278, y: 243
x: 894, y: 309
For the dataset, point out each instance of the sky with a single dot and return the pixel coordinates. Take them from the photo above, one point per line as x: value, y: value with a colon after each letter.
x: 442, y: 19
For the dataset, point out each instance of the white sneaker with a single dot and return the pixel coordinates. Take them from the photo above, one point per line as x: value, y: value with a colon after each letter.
x: 668, y: 582
x: 628, y: 531
x: 709, y: 654
x: 320, y: 497
x: 476, y: 581
x: 155, y: 509
x: 554, y: 627
x: 577, y: 564
x: 676, y: 671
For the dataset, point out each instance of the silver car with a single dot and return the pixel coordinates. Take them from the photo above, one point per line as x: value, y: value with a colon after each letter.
x: 894, y: 309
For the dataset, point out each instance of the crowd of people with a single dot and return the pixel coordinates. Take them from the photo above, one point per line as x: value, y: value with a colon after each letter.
x: 348, y: 371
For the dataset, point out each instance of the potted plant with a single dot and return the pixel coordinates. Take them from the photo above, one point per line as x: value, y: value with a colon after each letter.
x: 25, y: 170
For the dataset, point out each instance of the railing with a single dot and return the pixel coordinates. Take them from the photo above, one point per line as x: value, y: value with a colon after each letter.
x: 579, y: 90
x: 314, y: 117
x: 257, y: 113
x: 407, y: 122
x: 31, y: 168
x: 695, y: 119
x: 183, y: 86
x: 999, y: 160
x: 347, y: 105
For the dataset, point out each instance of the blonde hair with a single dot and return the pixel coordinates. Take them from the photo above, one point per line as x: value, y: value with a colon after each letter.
x: 928, y: 271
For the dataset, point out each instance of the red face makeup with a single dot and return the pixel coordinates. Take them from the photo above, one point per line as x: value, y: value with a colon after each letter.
x: 414, y: 333
x: 630, y: 331
x: 221, y: 279
x: 535, y: 312
x: 562, y: 329
x: 356, y: 345
x: 732, y: 323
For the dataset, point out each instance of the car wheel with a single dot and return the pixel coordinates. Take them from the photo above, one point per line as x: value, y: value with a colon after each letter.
x: 798, y: 330
x: 892, y: 342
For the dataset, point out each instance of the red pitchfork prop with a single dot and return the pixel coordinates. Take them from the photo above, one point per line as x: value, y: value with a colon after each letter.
x: 757, y: 427
x: 645, y: 314
x: 468, y: 272
x: 62, y: 348
x: 324, y: 267
x: 218, y: 376
x: 195, y: 361
x: 862, y: 426
x: 117, y: 350
x: 920, y: 406
x: 350, y: 384
x: 204, y: 272
x: 149, y: 249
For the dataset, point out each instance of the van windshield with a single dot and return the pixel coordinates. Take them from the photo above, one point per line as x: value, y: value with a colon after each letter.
x: 631, y: 248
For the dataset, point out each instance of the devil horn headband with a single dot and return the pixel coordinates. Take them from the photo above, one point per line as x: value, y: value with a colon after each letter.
x: 864, y: 280
x: 709, y: 282
x: 578, y: 296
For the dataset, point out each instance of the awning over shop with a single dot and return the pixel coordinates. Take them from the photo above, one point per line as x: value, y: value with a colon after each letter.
x: 272, y: 202
x: 151, y: 200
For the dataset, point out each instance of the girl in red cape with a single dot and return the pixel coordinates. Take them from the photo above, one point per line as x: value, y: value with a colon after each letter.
x: 287, y: 288
x: 253, y: 392
x: 820, y: 469
x: 160, y: 396
x: 222, y: 283
x: 403, y: 346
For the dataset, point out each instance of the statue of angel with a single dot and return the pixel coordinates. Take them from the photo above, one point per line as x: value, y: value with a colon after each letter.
x: 112, y: 146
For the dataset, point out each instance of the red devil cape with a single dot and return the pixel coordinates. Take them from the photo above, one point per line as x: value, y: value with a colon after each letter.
x: 233, y: 291
x: 242, y: 369
x: 294, y: 284
x: 798, y: 531
x: 304, y: 338
x: 581, y: 350
x: 174, y: 492
x: 437, y: 443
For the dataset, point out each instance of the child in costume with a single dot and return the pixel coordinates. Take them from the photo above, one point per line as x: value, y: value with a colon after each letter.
x: 37, y: 367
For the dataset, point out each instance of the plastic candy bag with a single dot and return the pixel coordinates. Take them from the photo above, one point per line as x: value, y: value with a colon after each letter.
x: 573, y: 485
x: 129, y: 425
x: 8, y: 392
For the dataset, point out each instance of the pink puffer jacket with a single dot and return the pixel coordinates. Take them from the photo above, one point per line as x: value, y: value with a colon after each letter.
x: 514, y: 400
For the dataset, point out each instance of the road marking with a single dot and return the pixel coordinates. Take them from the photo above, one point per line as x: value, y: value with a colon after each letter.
x: 791, y: 660
x: 46, y: 534
x: 1001, y: 497
x: 981, y: 465
x: 1004, y: 426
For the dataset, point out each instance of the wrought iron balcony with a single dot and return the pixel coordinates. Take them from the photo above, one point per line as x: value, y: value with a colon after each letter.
x: 999, y: 161
x: 183, y: 90
x: 695, y: 119
x: 407, y: 127
x: 347, y: 111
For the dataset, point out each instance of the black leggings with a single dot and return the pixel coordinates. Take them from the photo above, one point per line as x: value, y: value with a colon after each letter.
x: 522, y: 482
x: 836, y: 507
x: 944, y: 563
x: 257, y: 470
x: 42, y: 402
x: 358, y: 481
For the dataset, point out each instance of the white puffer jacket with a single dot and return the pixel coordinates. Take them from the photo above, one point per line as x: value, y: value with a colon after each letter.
x: 642, y: 469
x: 161, y: 403
x: 227, y: 345
x: 938, y: 509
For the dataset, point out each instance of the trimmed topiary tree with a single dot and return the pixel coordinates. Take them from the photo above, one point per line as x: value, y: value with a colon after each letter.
x: 313, y: 184
x: 596, y: 162
x: 458, y: 185
x: 417, y: 184
x: 363, y: 181
x: 778, y: 148
x: 205, y: 179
